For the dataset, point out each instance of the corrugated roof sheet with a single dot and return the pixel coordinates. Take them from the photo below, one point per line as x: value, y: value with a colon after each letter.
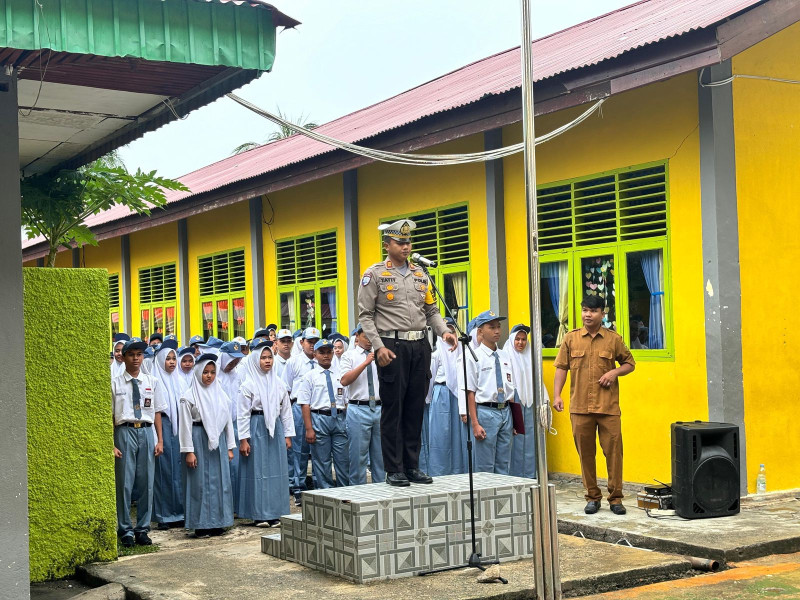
x: 585, y: 44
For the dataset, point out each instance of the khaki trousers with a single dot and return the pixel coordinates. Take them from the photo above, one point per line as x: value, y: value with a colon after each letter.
x: 585, y: 429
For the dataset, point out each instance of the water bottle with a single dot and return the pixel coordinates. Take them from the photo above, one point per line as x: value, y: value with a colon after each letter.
x: 761, y: 481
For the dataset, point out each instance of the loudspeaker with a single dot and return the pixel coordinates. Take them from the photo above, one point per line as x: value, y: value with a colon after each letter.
x: 705, y: 469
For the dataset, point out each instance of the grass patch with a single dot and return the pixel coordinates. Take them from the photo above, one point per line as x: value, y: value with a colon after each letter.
x: 137, y: 549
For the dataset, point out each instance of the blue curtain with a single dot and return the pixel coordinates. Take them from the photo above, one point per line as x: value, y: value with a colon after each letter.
x: 652, y: 266
x: 331, y: 298
x: 550, y: 273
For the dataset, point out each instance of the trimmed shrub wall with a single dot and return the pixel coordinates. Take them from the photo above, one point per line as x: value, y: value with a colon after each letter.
x: 70, y: 431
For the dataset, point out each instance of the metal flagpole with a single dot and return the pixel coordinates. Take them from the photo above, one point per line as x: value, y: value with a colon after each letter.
x: 546, y: 563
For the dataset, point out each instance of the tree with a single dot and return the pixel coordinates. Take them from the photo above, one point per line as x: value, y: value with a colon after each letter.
x: 56, y: 204
x: 283, y: 132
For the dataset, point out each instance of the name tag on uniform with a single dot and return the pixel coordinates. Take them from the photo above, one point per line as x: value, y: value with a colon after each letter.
x: 148, y: 402
x: 508, y: 377
x: 340, y: 391
x: 487, y: 369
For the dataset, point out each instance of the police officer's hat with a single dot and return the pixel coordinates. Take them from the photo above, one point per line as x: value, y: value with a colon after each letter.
x: 323, y: 344
x: 399, y: 230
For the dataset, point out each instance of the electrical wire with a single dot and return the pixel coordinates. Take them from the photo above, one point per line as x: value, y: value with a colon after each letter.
x: 742, y: 76
x: 416, y: 159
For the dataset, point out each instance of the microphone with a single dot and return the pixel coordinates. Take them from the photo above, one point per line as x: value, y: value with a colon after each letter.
x: 421, y: 260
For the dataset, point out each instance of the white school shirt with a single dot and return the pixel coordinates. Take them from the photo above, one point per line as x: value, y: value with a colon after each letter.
x: 481, y: 377
x: 359, y: 389
x: 189, y: 415
x: 248, y: 404
x: 312, y: 389
x: 280, y: 364
x: 151, y: 398
x: 295, y: 368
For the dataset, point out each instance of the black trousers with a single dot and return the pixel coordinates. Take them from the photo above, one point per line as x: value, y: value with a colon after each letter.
x: 403, y: 387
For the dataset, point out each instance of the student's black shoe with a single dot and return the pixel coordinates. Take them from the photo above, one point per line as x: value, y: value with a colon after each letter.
x: 143, y: 539
x: 397, y: 479
x: 162, y: 526
x: 127, y: 541
x: 417, y: 476
x: 177, y: 524
x: 274, y: 522
x: 202, y: 533
x: 216, y: 531
x: 618, y: 509
x: 592, y: 507
x: 261, y: 523
x: 298, y: 500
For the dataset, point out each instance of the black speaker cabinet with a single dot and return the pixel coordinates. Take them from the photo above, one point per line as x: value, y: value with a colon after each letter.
x: 705, y: 469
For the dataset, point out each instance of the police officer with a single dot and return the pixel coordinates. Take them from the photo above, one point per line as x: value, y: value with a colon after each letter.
x: 395, y: 305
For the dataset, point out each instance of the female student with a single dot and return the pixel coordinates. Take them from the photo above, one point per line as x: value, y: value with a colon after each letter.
x: 230, y: 354
x: 167, y: 490
x: 266, y: 429
x: 205, y: 432
x: 186, y: 358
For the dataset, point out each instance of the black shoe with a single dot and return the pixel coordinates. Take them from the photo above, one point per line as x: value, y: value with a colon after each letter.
x: 163, y: 526
x: 274, y: 522
x: 592, y: 507
x: 417, y: 476
x: 216, y: 531
x: 127, y: 541
x: 618, y: 509
x: 397, y: 479
x: 202, y: 533
x: 177, y: 524
x: 298, y: 500
x: 143, y: 539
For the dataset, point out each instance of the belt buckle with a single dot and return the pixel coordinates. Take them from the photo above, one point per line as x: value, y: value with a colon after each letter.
x: 501, y: 405
x: 137, y: 425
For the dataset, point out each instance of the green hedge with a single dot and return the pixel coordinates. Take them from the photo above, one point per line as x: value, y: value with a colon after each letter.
x: 70, y: 431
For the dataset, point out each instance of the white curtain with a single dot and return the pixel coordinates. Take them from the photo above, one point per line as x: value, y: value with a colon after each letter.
x: 563, y: 302
x: 460, y: 290
x: 292, y: 317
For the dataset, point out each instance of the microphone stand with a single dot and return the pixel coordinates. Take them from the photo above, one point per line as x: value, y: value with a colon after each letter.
x: 475, y: 561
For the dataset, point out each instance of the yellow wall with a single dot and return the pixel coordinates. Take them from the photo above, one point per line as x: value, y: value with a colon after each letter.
x: 767, y: 122
x: 387, y: 190
x: 303, y: 210
x: 63, y: 259
x: 106, y: 255
x: 636, y: 127
x: 221, y: 230
x: 150, y: 248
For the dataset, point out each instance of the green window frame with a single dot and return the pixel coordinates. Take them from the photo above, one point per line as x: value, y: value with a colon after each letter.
x: 607, y: 217
x: 222, y: 281
x: 158, y: 290
x: 308, y: 281
x: 113, y: 304
x: 442, y: 234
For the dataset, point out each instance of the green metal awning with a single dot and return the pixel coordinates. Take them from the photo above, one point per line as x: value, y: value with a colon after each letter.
x: 97, y: 74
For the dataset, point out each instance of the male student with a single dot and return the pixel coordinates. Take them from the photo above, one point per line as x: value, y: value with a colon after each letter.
x: 590, y: 354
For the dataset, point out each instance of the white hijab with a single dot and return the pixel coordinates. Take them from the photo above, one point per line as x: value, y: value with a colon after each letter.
x: 210, y: 401
x: 171, y: 384
x: 184, y: 378
x: 521, y: 368
x: 267, y: 386
x: 117, y: 368
x: 297, y: 347
x: 450, y: 363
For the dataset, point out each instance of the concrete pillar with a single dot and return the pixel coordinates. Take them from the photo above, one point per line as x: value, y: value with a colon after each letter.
x: 14, y: 557
x: 257, y: 261
x: 184, y: 332
x: 125, y: 285
x: 723, y: 305
x: 353, y: 274
x: 496, y: 226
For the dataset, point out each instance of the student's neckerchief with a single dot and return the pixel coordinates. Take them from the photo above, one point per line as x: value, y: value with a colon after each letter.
x: 210, y: 401
x: 269, y: 388
x: 171, y: 385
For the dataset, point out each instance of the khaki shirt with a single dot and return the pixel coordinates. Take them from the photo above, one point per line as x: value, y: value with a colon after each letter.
x: 589, y: 358
x: 388, y: 301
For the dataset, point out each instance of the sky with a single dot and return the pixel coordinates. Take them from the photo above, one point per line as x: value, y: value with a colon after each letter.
x: 348, y: 54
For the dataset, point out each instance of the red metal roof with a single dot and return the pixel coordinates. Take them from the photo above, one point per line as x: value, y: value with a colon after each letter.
x: 582, y: 45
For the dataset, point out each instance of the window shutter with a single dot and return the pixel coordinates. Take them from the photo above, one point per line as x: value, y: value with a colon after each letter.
x: 206, y: 266
x: 307, y: 259
x: 113, y: 291
x: 442, y: 235
x: 326, y: 255
x: 157, y: 284
x: 222, y: 273
x: 643, y: 203
x: 287, y: 271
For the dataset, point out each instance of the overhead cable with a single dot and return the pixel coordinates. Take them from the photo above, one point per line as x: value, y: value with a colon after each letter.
x: 742, y: 76
x: 427, y: 160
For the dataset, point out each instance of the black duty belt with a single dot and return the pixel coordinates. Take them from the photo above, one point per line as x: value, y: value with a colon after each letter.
x: 363, y: 402
x: 136, y: 425
x: 408, y: 336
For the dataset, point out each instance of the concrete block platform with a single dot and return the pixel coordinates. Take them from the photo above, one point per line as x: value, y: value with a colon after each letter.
x: 375, y: 531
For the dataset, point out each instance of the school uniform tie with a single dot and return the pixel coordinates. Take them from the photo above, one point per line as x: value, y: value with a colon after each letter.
x: 137, y: 399
x: 332, y: 398
x: 370, y: 385
x: 498, y: 377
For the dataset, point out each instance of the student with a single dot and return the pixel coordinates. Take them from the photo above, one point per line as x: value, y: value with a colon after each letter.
x: 229, y: 380
x: 156, y: 340
x: 266, y: 428
x: 339, y: 348
x: 195, y: 342
x: 147, y: 360
x: 447, y: 436
x: 283, y: 350
x: 297, y: 348
x: 321, y: 396
x: 296, y: 367
x: 117, y: 362
x: 205, y: 432
x: 186, y: 358
x: 490, y: 387
x: 137, y: 404
x: 244, y: 348
x: 359, y: 375
x: 167, y: 489
x: 523, y: 446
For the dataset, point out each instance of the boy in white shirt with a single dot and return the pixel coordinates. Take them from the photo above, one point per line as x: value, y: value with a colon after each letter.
x: 320, y: 394
x: 137, y: 403
x: 490, y: 388
x: 283, y: 350
x: 359, y: 375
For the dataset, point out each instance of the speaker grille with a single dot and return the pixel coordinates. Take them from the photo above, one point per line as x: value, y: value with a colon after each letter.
x: 715, y: 484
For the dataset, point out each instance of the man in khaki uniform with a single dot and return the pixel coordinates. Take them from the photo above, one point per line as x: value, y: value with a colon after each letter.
x: 395, y: 306
x: 589, y: 354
